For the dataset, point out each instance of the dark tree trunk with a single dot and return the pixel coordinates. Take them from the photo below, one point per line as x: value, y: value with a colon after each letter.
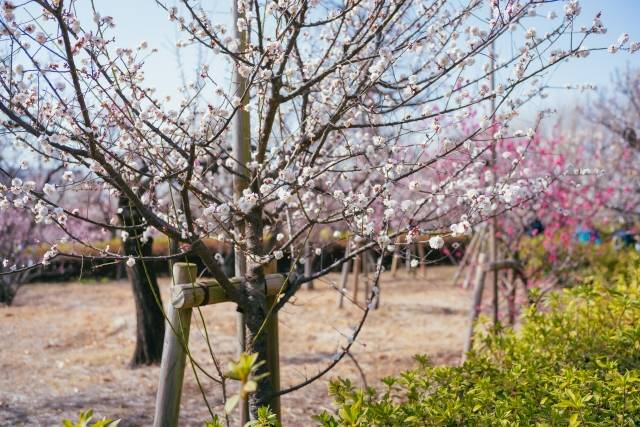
x: 146, y: 294
x: 258, y: 343
x: 8, y: 291
x: 256, y: 313
x: 10, y: 284
x: 149, y: 318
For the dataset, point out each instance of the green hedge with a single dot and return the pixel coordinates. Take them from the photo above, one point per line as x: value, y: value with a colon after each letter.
x: 573, y: 262
x: 574, y: 361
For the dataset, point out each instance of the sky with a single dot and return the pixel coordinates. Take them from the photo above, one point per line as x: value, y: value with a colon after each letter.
x: 619, y: 16
x: 139, y: 20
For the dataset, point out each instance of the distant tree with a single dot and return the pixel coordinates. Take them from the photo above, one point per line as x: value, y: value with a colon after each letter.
x: 613, y: 128
x: 137, y: 242
x: 18, y: 234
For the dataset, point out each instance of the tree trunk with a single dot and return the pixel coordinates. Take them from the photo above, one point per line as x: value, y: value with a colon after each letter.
x: 256, y: 313
x: 10, y: 284
x: 257, y: 341
x: 146, y: 294
x: 8, y: 291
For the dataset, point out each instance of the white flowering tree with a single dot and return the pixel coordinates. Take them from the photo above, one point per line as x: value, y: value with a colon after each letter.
x: 612, y: 134
x: 347, y: 102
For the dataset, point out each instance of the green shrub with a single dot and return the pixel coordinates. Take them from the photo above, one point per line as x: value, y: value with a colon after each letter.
x: 574, y: 361
x: 571, y: 263
x: 85, y: 419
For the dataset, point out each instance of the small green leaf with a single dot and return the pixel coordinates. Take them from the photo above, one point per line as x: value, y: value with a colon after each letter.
x: 231, y: 403
x: 573, y: 420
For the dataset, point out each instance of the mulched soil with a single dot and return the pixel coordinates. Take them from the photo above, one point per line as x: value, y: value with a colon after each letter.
x: 65, y: 348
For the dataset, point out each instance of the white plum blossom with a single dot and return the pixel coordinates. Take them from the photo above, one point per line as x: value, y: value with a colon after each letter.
x: 461, y: 228
x: 436, y: 242
x: 572, y: 9
x: 247, y: 201
x: 531, y: 33
x: 49, y: 189
x: 49, y: 255
x: 623, y: 39
x: 244, y: 70
x: 284, y: 194
x: 242, y: 25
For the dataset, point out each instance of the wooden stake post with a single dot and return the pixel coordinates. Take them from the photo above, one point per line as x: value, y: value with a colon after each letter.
x: 357, y: 262
x: 423, y: 260
x: 481, y: 272
x: 344, y: 275
x: 174, y: 353
x: 394, y: 261
x: 185, y: 295
x: 308, y: 264
x: 469, y: 251
x: 476, y: 302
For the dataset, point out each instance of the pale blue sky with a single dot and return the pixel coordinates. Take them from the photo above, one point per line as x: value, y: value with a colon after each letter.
x: 619, y: 16
x: 139, y: 20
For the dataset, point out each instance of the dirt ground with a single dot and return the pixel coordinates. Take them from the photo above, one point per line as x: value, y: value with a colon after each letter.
x: 65, y: 348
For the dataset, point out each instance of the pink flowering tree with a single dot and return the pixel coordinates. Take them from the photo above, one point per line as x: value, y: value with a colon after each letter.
x: 587, y: 179
x: 29, y: 229
x: 334, y: 108
x: 18, y: 235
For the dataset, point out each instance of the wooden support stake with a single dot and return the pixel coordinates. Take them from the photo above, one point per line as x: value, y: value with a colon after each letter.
x: 504, y: 264
x: 185, y: 296
x: 273, y: 356
x: 273, y: 350
x: 476, y: 302
x: 346, y: 266
x: 473, y: 264
x: 421, y: 255
x: 365, y: 270
x: 469, y: 250
x: 308, y: 265
x: 209, y: 292
x: 356, y: 277
x: 394, y: 262
x: 470, y: 254
x: 174, y: 353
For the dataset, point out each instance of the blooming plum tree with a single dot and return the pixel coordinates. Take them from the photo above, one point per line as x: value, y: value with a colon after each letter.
x: 350, y: 103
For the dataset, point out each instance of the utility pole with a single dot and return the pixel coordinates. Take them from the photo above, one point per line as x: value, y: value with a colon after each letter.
x: 241, y: 152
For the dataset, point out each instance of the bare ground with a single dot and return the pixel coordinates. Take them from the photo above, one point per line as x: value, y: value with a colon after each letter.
x: 65, y: 348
